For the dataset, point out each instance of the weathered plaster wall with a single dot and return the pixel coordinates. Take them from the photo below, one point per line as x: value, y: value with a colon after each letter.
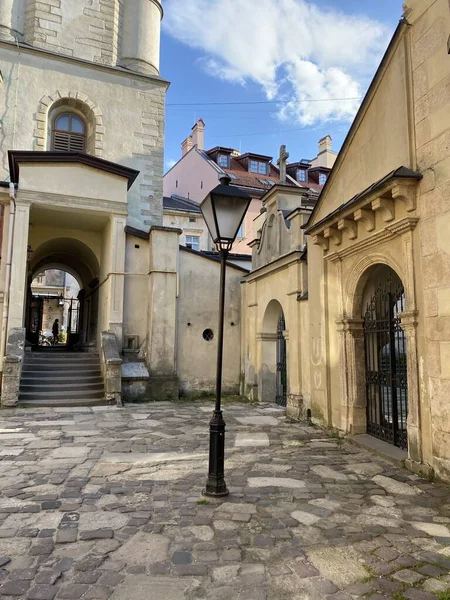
x: 126, y: 110
x: 197, y: 310
x: 197, y: 228
x: 137, y: 258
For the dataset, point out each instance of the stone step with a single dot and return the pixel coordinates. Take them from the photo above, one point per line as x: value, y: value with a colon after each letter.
x: 67, y: 394
x: 63, y: 388
x: 60, y: 360
x: 49, y: 369
x: 60, y: 402
x: 47, y: 379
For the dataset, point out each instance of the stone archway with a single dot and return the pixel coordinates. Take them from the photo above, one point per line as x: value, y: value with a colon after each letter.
x: 272, y: 377
x: 71, y: 100
x: 74, y: 257
x: 360, y: 291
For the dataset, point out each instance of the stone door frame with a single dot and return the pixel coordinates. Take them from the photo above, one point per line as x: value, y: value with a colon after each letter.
x: 352, y: 350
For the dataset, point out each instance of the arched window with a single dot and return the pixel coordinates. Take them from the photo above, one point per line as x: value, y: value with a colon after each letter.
x: 68, y: 133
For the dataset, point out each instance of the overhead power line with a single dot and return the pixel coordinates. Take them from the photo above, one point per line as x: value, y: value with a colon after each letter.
x: 261, y: 102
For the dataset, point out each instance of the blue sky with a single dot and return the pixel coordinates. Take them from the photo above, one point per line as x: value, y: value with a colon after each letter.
x: 281, y: 58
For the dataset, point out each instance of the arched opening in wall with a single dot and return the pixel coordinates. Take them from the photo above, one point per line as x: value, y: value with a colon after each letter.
x: 273, y: 375
x: 53, y: 318
x: 63, y: 285
x: 386, y: 382
x: 71, y: 127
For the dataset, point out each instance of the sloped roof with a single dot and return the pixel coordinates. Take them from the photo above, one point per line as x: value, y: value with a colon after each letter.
x: 180, y: 203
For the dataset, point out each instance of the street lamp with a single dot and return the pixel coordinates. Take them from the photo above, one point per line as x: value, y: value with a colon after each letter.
x: 223, y: 209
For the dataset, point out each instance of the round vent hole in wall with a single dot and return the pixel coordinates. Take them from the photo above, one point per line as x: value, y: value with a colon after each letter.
x: 208, y: 335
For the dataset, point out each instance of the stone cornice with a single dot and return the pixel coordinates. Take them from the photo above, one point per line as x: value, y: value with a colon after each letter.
x: 399, y: 186
x: 390, y: 231
x: 77, y: 202
x: 280, y: 263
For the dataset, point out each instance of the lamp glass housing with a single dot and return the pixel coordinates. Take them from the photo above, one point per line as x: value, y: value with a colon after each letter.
x: 224, y: 210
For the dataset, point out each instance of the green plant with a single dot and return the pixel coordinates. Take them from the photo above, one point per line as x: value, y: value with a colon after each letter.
x: 203, y: 501
x: 398, y: 596
x: 444, y: 595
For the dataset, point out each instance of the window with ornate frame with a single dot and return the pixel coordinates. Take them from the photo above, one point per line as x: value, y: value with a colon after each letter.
x: 68, y: 133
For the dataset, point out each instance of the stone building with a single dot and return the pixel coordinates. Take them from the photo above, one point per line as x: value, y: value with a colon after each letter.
x: 377, y: 341
x: 81, y: 167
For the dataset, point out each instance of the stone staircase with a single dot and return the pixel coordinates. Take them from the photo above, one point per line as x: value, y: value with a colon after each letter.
x: 57, y: 377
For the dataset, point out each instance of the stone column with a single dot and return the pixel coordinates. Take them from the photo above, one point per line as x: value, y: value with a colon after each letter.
x: 352, y: 374
x: 117, y: 278
x: 409, y: 324
x: 17, y: 289
x: 162, y: 313
x: 141, y: 34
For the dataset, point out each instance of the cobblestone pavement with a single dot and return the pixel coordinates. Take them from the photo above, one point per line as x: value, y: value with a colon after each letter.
x: 106, y: 503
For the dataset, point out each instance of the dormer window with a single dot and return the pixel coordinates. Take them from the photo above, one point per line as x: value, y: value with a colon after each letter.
x: 257, y: 166
x: 301, y: 175
x: 322, y: 178
x: 224, y: 161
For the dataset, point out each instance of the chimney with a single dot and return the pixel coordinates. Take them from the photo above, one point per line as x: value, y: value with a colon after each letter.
x: 325, y: 144
x: 186, y: 145
x: 198, y: 134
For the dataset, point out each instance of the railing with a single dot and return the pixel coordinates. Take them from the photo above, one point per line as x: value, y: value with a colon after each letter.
x: 111, y: 365
x: 12, y: 367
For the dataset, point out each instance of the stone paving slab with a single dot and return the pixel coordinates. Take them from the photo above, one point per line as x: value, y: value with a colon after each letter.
x: 94, y: 505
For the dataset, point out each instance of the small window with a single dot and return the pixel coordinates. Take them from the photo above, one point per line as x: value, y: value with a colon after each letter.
x: 257, y: 166
x: 69, y: 134
x: 224, y: 161
x: 193, y: 242
x: 192, y: 219
x: 301, y: 175
x: 322, y: 178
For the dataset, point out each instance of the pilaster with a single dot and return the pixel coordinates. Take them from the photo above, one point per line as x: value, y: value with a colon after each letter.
x: 162, y: 312
x: 409, y: 324
x: 117, y: 278
x: 17, y: 289
x: 352, y: 375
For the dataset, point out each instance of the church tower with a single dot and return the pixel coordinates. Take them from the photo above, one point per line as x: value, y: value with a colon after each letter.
x: 141, y: 35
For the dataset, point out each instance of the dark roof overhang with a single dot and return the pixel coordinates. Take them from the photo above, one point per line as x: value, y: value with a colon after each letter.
x: 18, y: 157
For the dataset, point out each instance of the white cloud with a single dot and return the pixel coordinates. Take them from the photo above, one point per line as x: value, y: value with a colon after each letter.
x: 295, y: 50
x: 170, y: 163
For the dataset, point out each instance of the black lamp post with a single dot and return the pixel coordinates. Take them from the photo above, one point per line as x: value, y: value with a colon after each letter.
x: 224, y: 210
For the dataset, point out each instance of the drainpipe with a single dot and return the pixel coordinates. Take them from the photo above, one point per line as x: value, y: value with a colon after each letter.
x: 12, y: 213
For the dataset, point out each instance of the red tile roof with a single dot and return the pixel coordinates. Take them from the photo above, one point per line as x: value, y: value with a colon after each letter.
x: 253, y: 180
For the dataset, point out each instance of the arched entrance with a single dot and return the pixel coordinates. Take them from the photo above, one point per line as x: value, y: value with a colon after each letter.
x: 386, y: 382
x: 78, y: 306
x: 273, y: 382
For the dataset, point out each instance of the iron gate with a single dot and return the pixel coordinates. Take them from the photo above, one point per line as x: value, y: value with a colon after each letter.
x: 386, y: 373
x: 281, y: 382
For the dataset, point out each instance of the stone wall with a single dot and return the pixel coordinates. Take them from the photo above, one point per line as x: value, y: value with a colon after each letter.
x: 197, y: 311
x: 87, y: 29
x: 126, y: 112
x: 431, y: 78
